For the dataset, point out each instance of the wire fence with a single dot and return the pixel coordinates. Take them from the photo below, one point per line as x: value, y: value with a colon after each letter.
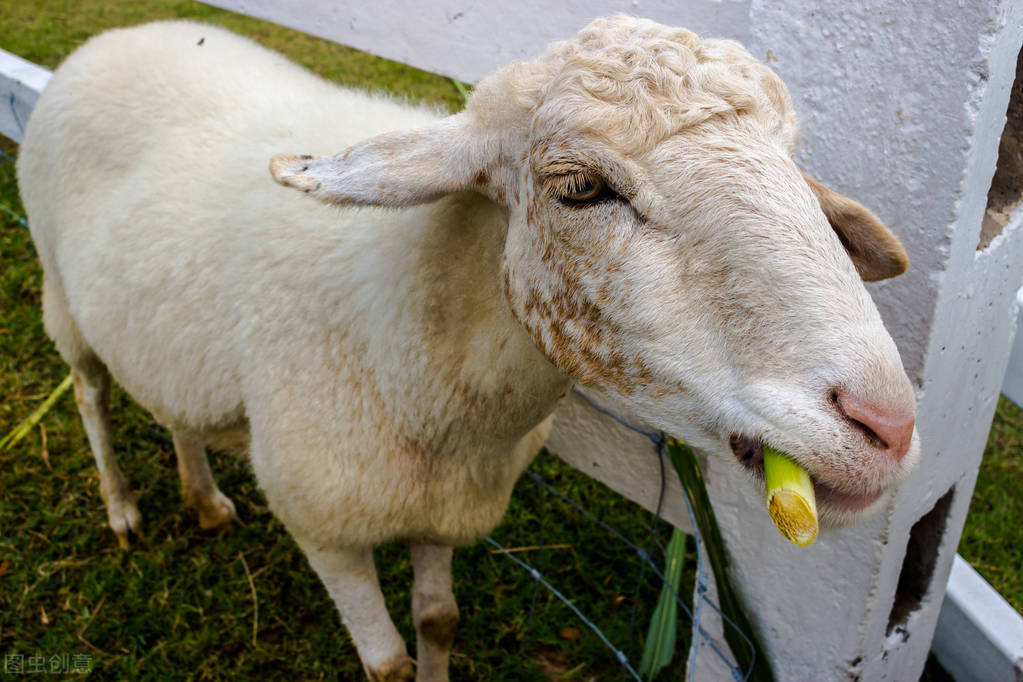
x: 4, y: 208
x: 12, y: 103
x: 700, y: 597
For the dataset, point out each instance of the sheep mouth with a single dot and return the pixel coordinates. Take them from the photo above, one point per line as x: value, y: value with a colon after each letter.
x: 750, y: 453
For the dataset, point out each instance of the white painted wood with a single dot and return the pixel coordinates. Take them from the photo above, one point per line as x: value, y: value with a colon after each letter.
x: 20, y: 84
x: 979, y: 635
x: 1012, y: 385
x: 618, y: 457
x: 466, y: 39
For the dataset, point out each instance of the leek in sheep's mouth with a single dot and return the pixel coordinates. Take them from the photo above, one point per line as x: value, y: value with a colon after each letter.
x: 790, y: 498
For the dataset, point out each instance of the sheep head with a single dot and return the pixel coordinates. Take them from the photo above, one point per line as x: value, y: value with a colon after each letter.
x: 664, y: 249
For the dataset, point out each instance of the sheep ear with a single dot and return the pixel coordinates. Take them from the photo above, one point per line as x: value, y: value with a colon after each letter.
x: 875, y: 251
x: 400, y: 168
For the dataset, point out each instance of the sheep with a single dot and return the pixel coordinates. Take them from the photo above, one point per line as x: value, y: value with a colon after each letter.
x: 620, y: 213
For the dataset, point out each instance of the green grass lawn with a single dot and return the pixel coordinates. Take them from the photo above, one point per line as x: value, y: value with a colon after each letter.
x: 993, y: 537
x: 246, y: 603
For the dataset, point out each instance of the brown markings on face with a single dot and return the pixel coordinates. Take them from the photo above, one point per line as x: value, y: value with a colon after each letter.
x: 573, y: 330
x: 739, y: 319
x: 487, y: 185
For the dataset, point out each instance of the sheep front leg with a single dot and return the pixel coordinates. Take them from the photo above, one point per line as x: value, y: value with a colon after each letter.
x: 351, y: 580
x: 434, y: 611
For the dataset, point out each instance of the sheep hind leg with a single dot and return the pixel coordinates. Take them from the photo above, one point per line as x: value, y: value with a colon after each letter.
x: 434, y: 611
x: 92, y: 394
x: 198, y: 489
x: 351, y: 580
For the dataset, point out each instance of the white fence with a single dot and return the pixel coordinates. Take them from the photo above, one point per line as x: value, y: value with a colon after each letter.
x: 862, y: 603
x: 20, y: 85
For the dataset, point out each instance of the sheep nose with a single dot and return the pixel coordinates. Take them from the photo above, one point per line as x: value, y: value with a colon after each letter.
x: 886, y: 427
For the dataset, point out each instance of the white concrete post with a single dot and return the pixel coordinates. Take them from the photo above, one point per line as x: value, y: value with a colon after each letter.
x: 902, y: 106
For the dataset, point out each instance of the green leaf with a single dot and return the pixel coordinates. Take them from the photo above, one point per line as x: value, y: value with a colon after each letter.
x: 684, y: 461
x: 23, y: 429
x: 662, y: 635
x: 463, y: 90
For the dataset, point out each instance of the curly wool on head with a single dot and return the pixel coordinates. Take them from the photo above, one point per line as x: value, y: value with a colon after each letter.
x: 638, y: 82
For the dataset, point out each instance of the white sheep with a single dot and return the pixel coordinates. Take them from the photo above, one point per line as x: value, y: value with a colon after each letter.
x: 621, y: 213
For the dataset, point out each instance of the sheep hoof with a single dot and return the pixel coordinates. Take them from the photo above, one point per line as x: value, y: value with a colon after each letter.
x: 400, y: 670
x: 126, y: 522
x: 218, y: 513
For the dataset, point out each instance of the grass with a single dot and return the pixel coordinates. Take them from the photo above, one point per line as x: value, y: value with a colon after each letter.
x: 245, y: 603
x: 46, y: 31
x: 993, y: 538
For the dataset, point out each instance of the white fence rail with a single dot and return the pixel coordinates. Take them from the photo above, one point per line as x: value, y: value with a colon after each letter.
x: 466, y: 39
x: 20, y: 84
x: 979, y: 636
x: 1012, y: 385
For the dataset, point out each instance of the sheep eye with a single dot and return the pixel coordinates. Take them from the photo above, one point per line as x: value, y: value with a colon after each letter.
x: 579, y: 188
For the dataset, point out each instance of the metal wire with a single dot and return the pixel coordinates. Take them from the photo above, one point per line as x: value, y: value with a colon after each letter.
x: 660, y: 443
x: 4, y: 207
x: 645, y: 558
x: 620, y: 655
x: 14, y: 114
